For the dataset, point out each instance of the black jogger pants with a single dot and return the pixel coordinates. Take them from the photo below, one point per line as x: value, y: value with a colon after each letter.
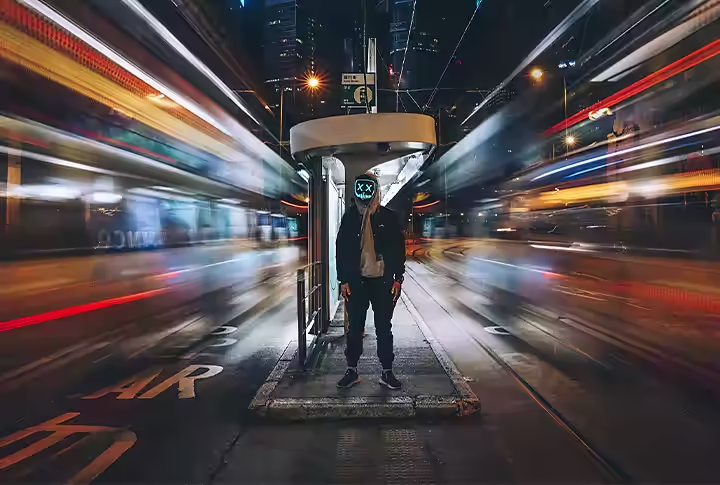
x: 378, y: 292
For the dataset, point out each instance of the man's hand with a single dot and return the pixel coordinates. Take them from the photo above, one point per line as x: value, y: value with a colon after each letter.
x: 345, y: 291
x: 396, y: 290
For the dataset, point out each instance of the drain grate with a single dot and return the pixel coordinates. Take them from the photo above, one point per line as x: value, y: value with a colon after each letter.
x: 389, y: 456
x: 354, y: 457
x: 405, y: 459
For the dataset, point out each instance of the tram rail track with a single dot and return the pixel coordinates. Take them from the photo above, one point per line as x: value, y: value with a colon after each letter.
x: 613, y: 472
x: 702, y: 377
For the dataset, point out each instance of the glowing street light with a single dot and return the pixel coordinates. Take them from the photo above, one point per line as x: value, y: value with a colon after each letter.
x: 313, y: 82
x: 537, y: 74
x: 570, y: 140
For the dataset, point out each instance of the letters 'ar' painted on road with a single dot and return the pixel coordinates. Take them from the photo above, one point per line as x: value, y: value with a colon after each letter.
x: 185, y: 380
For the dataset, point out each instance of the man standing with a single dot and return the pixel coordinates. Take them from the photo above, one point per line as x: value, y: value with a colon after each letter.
x: 370, y: 266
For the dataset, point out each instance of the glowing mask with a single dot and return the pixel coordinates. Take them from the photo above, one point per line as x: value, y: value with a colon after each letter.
x: 365, y: 189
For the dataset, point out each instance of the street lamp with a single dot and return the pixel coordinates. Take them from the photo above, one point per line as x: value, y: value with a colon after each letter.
x: 313, y: 82
x: 570, y: 140
x: 537, y: 74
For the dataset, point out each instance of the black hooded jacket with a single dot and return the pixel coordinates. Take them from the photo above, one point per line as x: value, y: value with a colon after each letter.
x: 389, y: 242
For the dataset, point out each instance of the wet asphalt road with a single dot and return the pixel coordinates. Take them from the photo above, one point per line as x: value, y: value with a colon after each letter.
x: 640, y: 416
x: 179, y: 429
x: 124, y: 407
x: 218, y: 318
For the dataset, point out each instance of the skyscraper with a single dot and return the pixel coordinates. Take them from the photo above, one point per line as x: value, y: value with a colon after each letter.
x: 289, y: 56
x: 402, y: 17
x: 353, y: 49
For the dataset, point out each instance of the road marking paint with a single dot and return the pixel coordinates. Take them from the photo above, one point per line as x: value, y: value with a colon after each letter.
x: 224, y: 330
x: 158, y: 337
x: 53, y: 365
x: 106, y: 338
x: 39, y: 362
x: 497, y: 330
x: 185, y: 382
x: 224, y: 342
x: 34, y: 448
x: 124, y: 440
x: 129, y: 388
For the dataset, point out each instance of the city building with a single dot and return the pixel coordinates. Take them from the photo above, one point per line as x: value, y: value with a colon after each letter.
x: 353, y: 49
x: 289, y: 58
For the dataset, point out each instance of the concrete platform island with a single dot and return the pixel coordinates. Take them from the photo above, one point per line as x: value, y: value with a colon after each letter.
x: 432, y: 386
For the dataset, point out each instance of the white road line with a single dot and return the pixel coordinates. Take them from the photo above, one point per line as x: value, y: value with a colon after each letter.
x: 52, y: 366
x: 59, y: 354
x: 155, y: 339
x: 32, y: 365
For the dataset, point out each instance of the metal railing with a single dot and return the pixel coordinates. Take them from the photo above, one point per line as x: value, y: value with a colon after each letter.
x: 309, y: 303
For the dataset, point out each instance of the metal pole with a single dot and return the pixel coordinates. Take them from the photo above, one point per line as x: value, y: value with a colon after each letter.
x: 567, y: 145
x: 302, y: 347
x: 372, y: 68
x: 312, y: 232
x: 325, y: 260
x: 319, y: 230
x: 439, y: 141
x: 282, y: 97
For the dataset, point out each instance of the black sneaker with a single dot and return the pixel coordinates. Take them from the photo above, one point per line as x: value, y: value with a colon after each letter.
x: 350, y: 378
x: 389, y: 380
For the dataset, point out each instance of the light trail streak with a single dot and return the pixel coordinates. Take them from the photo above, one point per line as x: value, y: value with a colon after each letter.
x: 121, y: 61
x: 548, y: 41
x: 180, y: 48
x: 627, y: 150
x: 691, y: 60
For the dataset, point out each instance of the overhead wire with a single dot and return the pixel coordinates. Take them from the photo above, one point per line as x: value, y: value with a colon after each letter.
x: 452, y: 56
x: 407, y: 46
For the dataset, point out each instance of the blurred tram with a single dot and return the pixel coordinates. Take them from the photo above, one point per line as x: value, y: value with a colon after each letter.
x: 52, y: 206
x: 666, y: 198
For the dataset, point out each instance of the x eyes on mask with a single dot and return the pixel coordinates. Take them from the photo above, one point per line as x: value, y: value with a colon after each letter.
x: 365, y: 189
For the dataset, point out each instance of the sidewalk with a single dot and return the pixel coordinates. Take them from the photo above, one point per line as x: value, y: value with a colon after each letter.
x: 432, y: 386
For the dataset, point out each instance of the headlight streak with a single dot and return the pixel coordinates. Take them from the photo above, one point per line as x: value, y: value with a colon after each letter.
x: 627, y: 150
x: 180, y: 48
x: 114, y: 56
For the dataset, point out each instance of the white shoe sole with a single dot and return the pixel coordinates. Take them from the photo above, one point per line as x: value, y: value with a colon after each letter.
x: 382, y: 381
